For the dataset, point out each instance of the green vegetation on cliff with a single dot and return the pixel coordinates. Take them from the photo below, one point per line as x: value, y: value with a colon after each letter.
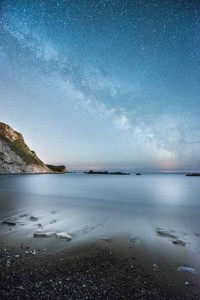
x: 61, y: 168
x: 13, y: 147
x: 16, y: 143
x: 21, y: 149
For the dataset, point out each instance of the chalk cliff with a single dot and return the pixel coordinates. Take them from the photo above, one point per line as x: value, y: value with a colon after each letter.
x: 16, y: 156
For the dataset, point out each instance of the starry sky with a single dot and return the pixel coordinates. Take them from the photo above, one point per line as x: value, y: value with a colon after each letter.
x: 112, y: 84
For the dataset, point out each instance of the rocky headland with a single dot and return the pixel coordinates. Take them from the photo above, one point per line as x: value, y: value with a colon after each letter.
x: 17, y: 158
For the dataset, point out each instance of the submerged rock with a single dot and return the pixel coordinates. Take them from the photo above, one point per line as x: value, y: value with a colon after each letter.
x: 179, y: 242
x: 44, y: 233
x: 9, y: 222
x: 106, y: 239
x: 64, y: 235
x: 33, y: 218
x: 134, y: 239
x: 52, y: 222
x: 23, y: 215
x: 186, y: 269
x: 164, y: 233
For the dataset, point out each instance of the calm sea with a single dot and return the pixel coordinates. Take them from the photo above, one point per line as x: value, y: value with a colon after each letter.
x: 89, y: 206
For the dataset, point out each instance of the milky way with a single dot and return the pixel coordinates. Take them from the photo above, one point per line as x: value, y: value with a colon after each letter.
x: 105, y: 83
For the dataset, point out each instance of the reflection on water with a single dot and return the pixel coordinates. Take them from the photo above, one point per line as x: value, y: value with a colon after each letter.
x: 150, y: 197
x: 89, y: 206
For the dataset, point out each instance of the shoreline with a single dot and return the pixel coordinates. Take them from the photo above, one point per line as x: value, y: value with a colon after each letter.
x: 101, y: 173
x: 164, y: 250
x: 45, y: 173
x: 90, y: 271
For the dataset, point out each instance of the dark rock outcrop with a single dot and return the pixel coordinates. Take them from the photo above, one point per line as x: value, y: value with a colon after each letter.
x: 59, y: 169
x: 105, y: 173
x: 193, y: 174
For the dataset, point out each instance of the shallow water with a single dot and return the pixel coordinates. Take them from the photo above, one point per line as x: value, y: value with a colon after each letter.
x: 90, y: 206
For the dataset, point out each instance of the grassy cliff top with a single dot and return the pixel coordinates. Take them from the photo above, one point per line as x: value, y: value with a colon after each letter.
x: 17, y: 144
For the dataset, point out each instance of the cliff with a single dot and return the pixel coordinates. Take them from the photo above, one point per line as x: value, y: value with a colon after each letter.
x: 16, y: 156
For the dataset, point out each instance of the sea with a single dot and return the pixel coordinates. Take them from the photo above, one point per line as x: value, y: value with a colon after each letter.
x: 129, y: 209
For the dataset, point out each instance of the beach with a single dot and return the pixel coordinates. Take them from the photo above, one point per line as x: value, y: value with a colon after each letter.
x: 88, y: 272
x: 80, y: 236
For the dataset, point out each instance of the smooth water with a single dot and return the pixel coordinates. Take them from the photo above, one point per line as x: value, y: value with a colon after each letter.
x: 89, y: 206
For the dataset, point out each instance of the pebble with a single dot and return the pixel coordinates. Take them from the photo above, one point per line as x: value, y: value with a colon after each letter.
x: 83, y: 273
x: 155, y: 267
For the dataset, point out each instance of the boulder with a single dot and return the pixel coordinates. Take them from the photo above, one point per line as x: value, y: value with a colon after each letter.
x: 64, y: 235
x: 9, y: 222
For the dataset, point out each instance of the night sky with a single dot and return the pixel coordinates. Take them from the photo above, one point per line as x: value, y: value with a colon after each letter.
x: 103, y: 83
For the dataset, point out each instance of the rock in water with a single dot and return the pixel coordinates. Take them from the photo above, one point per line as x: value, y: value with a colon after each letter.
x: 179, y: 242
x: 44, y: 233
x: 106, y: 239
x: 33, y: 218
x: 134, y: 239
x: 186, y: 269
x: 193, y: 174
x: 64, y: 235
x: 105, y: 173
x: 9, y: 222
x: 164, y: 233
